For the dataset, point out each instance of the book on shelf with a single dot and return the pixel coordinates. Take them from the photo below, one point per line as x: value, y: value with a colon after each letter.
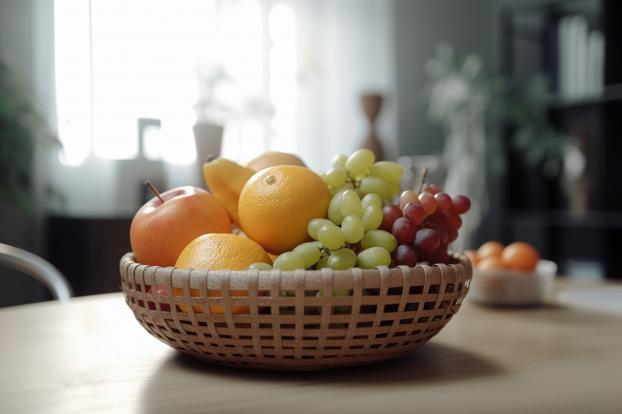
x: 580, y: 59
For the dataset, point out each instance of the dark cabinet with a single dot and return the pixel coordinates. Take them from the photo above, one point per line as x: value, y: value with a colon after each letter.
x: 87, y: 250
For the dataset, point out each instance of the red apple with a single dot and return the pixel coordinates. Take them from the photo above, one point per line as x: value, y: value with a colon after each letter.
x: 168, y: 222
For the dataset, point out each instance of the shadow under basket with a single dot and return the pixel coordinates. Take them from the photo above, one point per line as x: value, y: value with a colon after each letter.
x: 295, y: 320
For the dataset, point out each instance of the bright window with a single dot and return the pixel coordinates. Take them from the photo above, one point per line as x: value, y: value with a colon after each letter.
x: 120, y: 63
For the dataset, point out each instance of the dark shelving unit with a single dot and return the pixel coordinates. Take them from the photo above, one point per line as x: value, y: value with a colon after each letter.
x: 611, y: 94
x: 535, y: 207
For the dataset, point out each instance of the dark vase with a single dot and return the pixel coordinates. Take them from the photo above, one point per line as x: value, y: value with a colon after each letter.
x: 372, y: 104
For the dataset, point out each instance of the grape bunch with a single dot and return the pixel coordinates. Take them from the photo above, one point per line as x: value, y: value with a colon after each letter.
x: 349, y: 237
x: 361, y: 231
x: 360, y: 172
x: 424, y: 224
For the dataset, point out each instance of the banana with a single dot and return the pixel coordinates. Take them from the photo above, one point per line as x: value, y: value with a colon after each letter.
x: 225, y: 180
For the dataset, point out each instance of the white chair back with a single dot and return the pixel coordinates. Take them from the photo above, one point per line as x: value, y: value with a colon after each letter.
x: 38, y: 268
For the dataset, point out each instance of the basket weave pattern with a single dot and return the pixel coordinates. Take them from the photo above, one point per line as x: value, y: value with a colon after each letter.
x: 301, y: 320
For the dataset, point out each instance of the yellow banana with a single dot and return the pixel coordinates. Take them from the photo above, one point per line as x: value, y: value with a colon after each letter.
x: 225, y: 180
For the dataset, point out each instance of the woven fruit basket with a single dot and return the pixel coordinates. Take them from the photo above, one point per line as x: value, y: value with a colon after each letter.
x: 295, y: 320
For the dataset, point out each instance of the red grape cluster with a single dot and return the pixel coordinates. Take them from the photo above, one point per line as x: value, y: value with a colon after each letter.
x: 424, y: 224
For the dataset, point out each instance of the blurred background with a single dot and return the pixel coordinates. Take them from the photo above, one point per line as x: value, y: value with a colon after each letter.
x: 517, y: 104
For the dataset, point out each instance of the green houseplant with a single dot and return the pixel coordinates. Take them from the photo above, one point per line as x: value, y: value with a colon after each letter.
x: 460, y: 89
x: 21, y: 130
x: 470, y: 104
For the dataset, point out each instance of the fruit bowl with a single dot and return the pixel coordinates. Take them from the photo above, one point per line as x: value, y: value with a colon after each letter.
x: 513, y: 288
x: 295, y: 320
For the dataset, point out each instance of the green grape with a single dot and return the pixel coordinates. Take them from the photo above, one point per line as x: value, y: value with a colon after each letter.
x: 350, y: 204
x: 334, y: 209
x: 372, y: 217
x: 342, y: 188
x: 336, y: 177
x: 323, y: 262
x: 353, y: 228
x: 388, y: 171
x: 331, y: 236
x: 341, y: 259
x: 314, y: 225
x: 394, y: 188
x: 289, y: 261
x: 379, y: 238
x: 372, y: 200
x: 375, y: 185
x: 359, y: 162
x: 372, y: 257
x: 260, y: 266
x: 310, y: 252
x: 339, y: 161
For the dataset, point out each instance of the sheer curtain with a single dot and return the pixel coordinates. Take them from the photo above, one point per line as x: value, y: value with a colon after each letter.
x: 293, y: 74
x: 346, y: 49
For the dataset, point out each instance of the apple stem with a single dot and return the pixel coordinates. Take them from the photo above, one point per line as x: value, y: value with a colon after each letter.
x: 424, y: 175
x: 154, y: 190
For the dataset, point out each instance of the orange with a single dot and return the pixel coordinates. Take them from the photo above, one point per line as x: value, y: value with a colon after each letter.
x: 216, y: 252
x: 488, y: 249
x: 221, y: 251
x: 277, y: 203
x: 272, y: 158
x: 490, y: 263
x: 520, y: 256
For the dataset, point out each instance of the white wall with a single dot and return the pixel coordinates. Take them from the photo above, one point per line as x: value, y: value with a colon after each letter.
x: 420, y: 25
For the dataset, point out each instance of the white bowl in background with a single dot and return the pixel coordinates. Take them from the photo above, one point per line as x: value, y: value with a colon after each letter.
x: 513, y: 288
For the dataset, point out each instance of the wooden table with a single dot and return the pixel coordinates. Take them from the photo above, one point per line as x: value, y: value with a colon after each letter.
x: 91, y: 356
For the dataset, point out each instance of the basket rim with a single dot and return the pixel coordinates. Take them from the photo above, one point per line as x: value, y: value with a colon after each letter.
x: 459, y: 271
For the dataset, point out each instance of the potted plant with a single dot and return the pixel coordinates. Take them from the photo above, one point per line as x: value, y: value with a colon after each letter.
x: 210, y: 111
x: 221, y: 101
x: 22, y: 129
x: 466, y: 101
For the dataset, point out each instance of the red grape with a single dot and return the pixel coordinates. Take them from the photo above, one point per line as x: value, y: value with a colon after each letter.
x: 439, y: 256
x: 453, y: 220
x: 437, y: 222
x: 444, y: 201
x: 405, y: 254
x: 414, y: 212
x: 428, y: 202
x: 427, y: 240
x: 404, y: 230
x: 389, y: 215
x: 433, y: 188
x: 462, y: 204
x: 453, y: 235
x: 443, y: 235
x: 408, y: 196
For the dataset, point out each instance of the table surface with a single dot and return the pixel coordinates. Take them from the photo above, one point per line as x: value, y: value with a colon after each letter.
x: 92, y: 356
